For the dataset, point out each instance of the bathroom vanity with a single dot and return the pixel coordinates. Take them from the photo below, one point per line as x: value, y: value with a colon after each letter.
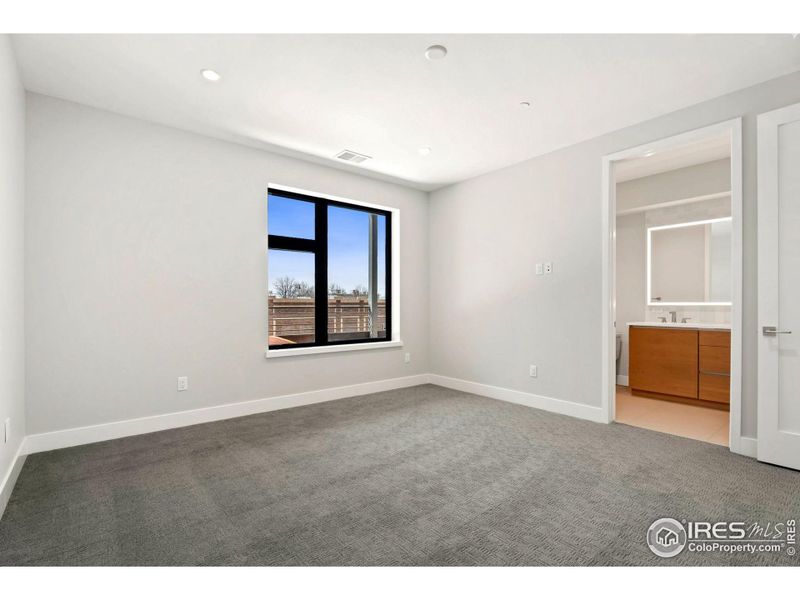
x: 681, y: 361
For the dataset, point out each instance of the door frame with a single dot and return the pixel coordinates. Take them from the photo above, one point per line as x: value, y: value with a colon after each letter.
x: 733, y: 128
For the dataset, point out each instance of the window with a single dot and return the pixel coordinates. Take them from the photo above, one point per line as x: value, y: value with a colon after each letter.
x: 329, y: 272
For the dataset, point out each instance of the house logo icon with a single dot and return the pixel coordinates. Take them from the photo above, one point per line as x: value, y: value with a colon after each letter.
x: 666, y: 537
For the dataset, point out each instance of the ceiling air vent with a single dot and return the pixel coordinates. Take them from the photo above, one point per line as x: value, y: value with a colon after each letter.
x: 353, y: 157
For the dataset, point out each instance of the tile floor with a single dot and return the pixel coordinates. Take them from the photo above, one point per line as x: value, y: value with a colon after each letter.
x: 695, y: 422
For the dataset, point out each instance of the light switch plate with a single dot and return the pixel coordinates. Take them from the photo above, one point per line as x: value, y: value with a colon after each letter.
x: 539, y: 269
x: 183, y: 384
x: 533, y: 371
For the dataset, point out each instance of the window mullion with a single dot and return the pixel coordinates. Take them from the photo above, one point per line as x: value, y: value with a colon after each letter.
x: 388, y: 275
x: 321, y: 273
x: 281, y: 242
x: 372, y: 285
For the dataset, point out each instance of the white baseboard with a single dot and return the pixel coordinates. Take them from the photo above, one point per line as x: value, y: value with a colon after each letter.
x: 10, y: 478
x: 564, y: 407
x: 622, y: 380
x: 747, y: 447
x: 65, y: 438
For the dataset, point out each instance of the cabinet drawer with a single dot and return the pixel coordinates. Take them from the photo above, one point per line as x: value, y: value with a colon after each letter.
x: 715, y: 338
x: 715, y: 388
x: 715, y: 360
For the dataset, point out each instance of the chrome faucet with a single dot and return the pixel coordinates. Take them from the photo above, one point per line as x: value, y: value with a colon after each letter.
x: 673, y: 316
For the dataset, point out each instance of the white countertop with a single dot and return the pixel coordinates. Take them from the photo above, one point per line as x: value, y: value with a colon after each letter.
x: 690, y: 325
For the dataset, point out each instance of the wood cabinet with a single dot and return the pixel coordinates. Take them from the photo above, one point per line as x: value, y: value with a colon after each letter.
x: 721, y: 339
x: 715, y: 360
x: 680, y: 363
x: 714, y: 381
x: 664, y: 361
x: 715, y: 388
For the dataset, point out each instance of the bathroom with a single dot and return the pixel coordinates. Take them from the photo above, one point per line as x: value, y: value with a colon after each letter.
x: 674, y: 274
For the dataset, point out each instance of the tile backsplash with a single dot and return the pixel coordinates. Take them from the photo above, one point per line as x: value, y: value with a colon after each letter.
x: 695, y: 314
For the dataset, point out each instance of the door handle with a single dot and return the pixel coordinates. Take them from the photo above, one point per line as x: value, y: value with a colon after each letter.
x: 772, y: 331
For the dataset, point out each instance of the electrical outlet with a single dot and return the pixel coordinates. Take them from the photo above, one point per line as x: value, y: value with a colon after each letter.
x: 7, y: 430
x: 183, y: 384
x: 533, y: 371
x: 539, y: 269
x: 408, y: 357
x: 548, y: 268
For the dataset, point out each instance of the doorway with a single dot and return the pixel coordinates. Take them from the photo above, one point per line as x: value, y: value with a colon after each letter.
x: 672, y: 287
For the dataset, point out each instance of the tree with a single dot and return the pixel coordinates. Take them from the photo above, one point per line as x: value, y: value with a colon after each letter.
x: 285, y: 287
x: 304, y: 290
x: 359, y: 290
x: 289, y: 287
x: 335, y: 289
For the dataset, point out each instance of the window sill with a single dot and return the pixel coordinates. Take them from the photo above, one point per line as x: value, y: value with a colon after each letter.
x: 278, y: 353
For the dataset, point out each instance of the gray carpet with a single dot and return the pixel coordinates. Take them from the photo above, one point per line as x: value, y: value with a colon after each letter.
x: 421, y: 476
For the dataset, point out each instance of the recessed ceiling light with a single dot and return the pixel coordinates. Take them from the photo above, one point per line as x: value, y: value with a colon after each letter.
x: 525, y: 104
x: 210, y: 75
x: 435, y: 52
x: 425, y: 150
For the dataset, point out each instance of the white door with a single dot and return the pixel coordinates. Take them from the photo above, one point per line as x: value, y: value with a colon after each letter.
x: 779, y: 287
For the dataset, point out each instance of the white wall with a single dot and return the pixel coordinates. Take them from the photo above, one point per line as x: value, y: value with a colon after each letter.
x: 145, y: 261
x: 679, y: 184
x: 491, y: 316
x: 719, y: 258
x: 12, y: 216
x: 631, y: 274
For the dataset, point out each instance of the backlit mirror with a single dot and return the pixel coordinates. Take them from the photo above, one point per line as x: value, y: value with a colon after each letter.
x: 689, y: 263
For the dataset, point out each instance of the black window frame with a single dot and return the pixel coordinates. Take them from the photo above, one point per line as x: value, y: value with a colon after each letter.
x: 319, y: 248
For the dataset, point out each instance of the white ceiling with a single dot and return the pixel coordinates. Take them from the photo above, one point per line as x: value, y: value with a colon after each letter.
x: 678, y: 157
x: 314, y: 95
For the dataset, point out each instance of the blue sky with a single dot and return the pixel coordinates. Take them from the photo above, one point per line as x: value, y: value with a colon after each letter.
x: 348, y: 244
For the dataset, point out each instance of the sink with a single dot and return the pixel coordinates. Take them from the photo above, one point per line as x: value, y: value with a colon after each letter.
x: 689, y: 325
